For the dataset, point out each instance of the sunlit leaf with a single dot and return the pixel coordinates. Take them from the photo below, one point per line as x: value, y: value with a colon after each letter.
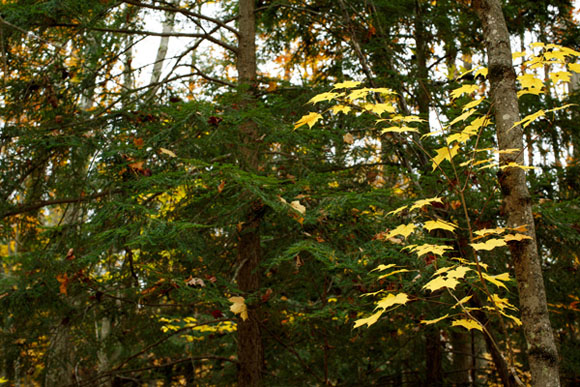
x: 424, y: 202
x: 358, y: 94
x: 369, y: 320
x: 346, y: 85
x: 441, y: 282
x: 558, y: 76
x: 298, y: 207
x: 468, y: 324
x: 462, y: 301
x: 433, y: 249
x: 340, y: 109
x: 473, y: 104
x: 430, y: 322
x: 395, y: 212
x: 399, y: 129
x: 309, y: 119
x: 239, y: 307
x: 391, y: 300
x: 488, y: 245
x: 393, y: 273
x: 324, y: 97
x: 516, y: 237
x: 458, y: 273
x: 444, y: 154
x: 167, y: 152
x: 497, y: 280
x: 530, y: 118
x: 463, y: 89
x: 383, y: 267
x: 439, y: 224
x: 404, y: 230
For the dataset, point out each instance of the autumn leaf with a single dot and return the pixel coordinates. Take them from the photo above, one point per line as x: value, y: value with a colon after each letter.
x: 558, y: 76
x: 324, y: 97
x: 488, y: 231
x: 439, y: 224
x: 468, y: 324
x: 396, y: 211
x: 346, y: 85
x: 488, y: 245
x: 433, y: 249
x: 462, y: 117
x: 348, y: 138
x: 391, y: 300
x: 298, y: 207
x: 441, y: 282
x: 380, y: 108
x: 473, y: 104
x: 574, y: 67
x: 357, y: 94
x: 404, y: 230
x: 309, y: 119
x: 458, y: 272
x: 424, y: 202
x: 341, y: 108
x: 444, y: 154
x: 369, y: 320
x: 516, y: 237
x: 393, y: 273
x: 431, y: 322
x: 497, y: 280
x: 239, y: 307
x: 399, y: 129
x: 530, y: 118
x: 463, y: 89
x: 462, y: 301
x: 383, y: 267
x: 167, y: 152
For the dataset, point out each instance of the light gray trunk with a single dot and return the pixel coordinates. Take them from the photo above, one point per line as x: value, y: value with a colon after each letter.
x: 162, y: 50
x: 542, y: 352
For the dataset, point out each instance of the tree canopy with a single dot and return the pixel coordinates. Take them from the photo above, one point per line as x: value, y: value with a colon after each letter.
x: 289, y: 192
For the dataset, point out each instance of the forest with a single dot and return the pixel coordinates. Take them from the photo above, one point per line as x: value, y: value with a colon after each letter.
x: 289, y: 193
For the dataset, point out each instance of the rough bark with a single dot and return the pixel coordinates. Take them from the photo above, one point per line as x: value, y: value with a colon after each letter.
x: 462, y: 357
x: 542, y: 352
x: 250, y: 351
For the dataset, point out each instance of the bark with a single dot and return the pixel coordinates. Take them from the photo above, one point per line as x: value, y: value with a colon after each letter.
x: 421, y: 56
x: 462, y: 356
x: 434, y: 360
x: 162, y: 50
x: 250, y: 351
x: 542, y: 352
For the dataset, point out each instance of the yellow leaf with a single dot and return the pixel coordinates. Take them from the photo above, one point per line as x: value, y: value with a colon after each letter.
x: 433, y: 249
x: 380, y: 108
x: 346, y: 85
x: 393, y: 273
x: 574, y: 67
x: 391, y: 300
x: 439, y: 224
x: 340, y: 108
x: 383, y: 90
x: 399, y: 129
x: 518, y: 54
x: 167, y: 152
x: 441, y: 282
x: 530, y: 81
x: 444, y: 154
x: 404, y: 230
x: 516, y: 237
x: 473, y: 104
x: 558, y: 76
x: 383, y: 267
x: 496, y: 279
x: 482, y: 71
x: 395, y: 212
x: 488, y: 231
x: 468, y: 324
x: 298, y: 207
x: 516, y: 165
x: 309, y: 119
x: 348, y: 138
x: 324, y: 97
x: 369, y: 320
x: 488, y: 245
x: 411, y: 119
x: 458, y: 272
x: 462, y: 301
x: 463, y: 89
x: 357, y: 94
x: 462, y: 117
x: 239, y: 307
x: 430, y: 322
x: 424, y: 202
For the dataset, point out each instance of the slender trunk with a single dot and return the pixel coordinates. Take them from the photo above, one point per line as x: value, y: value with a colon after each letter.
x: 162, y: 50
x: 434, y: 357
x: 250, y: 351
x: 421, y: 55
x: 542, y: 352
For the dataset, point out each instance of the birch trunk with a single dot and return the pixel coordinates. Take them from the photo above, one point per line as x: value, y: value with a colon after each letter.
x: 542, y: 352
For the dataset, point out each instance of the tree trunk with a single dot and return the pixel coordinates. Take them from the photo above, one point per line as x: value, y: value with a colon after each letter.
x: 542, y: 352
x: 162, y: 50
x: 250, y: 351
x: 434, y: 357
